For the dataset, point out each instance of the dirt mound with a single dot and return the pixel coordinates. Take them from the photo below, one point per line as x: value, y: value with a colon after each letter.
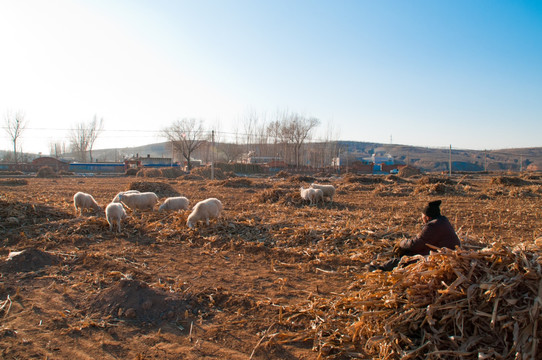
x: 508, y: 181
x: 133, y: 299
x: 13, y: 182
x: 29, y: 213
x: 46, y: 172
x: 28, y: 260
x: 159, y: 188
x: 408, y: 171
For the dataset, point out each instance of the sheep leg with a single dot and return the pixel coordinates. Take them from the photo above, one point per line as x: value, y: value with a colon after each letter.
x: 207, y: 221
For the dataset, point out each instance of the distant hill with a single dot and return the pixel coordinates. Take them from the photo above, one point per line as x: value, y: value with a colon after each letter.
x: 427, y: 159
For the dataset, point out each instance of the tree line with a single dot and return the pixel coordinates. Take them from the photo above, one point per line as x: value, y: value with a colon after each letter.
x: 285, y: 138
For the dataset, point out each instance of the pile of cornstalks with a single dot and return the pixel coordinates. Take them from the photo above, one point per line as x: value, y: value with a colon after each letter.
x: 463, y: 304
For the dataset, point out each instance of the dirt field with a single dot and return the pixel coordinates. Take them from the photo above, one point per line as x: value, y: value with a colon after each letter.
x: 264, y: 281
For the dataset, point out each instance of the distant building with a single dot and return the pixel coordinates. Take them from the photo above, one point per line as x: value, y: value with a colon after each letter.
x: 263, y: 159
x: 249, y: 158
x: 379, y: 159
x: 377, y: 163
x: 148, y: 161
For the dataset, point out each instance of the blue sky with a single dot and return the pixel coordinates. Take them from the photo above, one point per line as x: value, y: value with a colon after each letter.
x: 427, y: 73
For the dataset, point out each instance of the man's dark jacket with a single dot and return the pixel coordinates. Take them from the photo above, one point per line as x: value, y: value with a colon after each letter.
x: 437, y: 232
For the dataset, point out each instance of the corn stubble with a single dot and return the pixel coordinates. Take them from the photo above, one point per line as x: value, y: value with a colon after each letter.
x: 480, y: 302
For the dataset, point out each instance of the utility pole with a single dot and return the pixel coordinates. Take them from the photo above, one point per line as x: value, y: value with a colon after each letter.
x: 171, y: 162
x: 520, y: 163
x: 485, y: 161
x: 339, y: 161
x: 212, y: 154
x: 450, y: 161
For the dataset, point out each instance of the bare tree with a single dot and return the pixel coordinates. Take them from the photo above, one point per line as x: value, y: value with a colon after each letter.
x: 274, y: 132
x: 15, y: 125
x: 230, y: 151
x: 233, y: 149
x: 262, y: 138
x: 330, y: 145
x: 249, y: 126
x: 94, y: 130
x: 186, y: 135
x: 298, y: 129
x: 83, y: 136
x: 79, y: 141
x: 57, y: 148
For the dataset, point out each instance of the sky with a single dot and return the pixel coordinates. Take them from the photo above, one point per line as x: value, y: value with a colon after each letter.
x: 426, y: 73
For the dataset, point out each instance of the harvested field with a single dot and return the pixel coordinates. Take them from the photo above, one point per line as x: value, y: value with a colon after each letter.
x: 272, y: 278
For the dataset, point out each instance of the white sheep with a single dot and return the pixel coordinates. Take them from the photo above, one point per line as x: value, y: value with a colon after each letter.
x: 328, y: 190
x: 82, y: 201
x: 115, y: 213
x: 313, y: 195
x: 204, y: 210
x: 116, y: 198
x: 175, y: 203
x: 139, y: 201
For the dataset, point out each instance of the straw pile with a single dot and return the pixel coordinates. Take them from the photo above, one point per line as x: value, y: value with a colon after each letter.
x: 408, y: 171
x: 153, y: 173
x: 466, y: 304
x: 508, y: 181
x: 205, y: 172
x: 159, y: 188
x: 46, y: 172
x: 13, y: 182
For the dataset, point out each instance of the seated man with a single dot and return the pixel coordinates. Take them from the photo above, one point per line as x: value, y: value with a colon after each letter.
x: 437, y: 232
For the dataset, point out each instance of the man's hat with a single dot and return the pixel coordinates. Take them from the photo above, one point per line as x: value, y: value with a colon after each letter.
x: 432, y: 209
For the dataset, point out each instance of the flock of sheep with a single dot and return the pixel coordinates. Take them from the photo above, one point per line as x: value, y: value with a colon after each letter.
x: 204, y: 210
x: 135, y: 200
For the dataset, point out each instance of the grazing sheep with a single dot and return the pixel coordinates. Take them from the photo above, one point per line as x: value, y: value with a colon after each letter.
x: 116, y: 198
x: 318, y: 196
x: 204, y: 210
x: 115, y: 213
x: 82, y: 201
x: 313, y: 195
x: 139, y: 201
x: 328, y: 190
x: 175, y: 203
